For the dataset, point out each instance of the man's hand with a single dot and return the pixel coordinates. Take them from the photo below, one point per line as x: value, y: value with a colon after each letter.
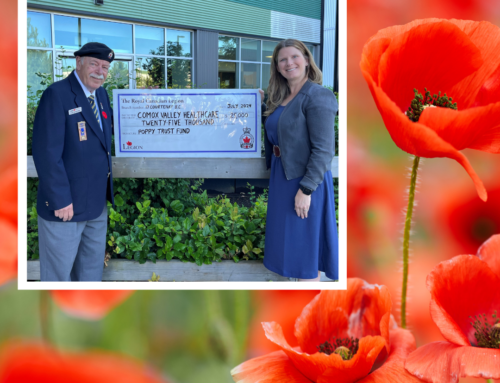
x: 66, y: 213
x: 302, y: 204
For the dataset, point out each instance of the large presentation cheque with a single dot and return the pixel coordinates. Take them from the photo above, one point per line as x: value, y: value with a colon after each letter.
x: 187, y: 123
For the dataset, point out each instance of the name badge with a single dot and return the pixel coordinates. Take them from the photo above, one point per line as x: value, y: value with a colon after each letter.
x: 76, y: 110
x: 82, y: 131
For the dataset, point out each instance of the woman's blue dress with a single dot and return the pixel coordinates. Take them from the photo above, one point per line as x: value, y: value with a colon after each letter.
x: 296, y: 247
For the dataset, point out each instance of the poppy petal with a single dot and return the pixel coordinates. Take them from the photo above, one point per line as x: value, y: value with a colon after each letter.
x: 315, y: 365
x: 275, y: 367
x: 475, y: 128
x: 435, y: 56
x: 8, y: 195
x: 34, y: 362
x: 89, y: 304
x: 489, y: 252
x: 444, y: 362
x: 281, y: 306
x: 371, y: 56
x: 416, y: 138
x: 461, y: 288
x: 392, y: 370
x: 486, y: 37
x: 361, y: 310
x: 8, y: 252
x: 490, y: 91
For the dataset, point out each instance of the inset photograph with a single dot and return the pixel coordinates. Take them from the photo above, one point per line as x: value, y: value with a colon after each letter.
x: 169, y: 147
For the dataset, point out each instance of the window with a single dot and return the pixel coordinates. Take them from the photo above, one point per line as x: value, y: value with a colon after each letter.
x: 145, y: 56
x: 74, y: 32
x: 252, y: 71
x: 39, y: 60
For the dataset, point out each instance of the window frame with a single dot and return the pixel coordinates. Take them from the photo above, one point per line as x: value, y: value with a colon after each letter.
x: 261, y: 62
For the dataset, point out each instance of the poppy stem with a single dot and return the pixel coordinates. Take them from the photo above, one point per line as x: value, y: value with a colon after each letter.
x: 406, y: 238
x: 45, y: 315
x: 240, y: 323
x: 220, y: 329
x: 489, y: 380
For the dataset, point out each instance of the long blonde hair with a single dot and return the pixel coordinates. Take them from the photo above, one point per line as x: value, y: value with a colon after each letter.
x: 278, y: 89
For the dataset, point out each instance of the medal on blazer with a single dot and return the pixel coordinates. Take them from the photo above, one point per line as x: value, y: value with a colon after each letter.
x: 82, y: 131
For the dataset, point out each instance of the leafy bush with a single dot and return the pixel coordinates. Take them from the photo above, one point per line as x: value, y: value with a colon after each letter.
x: 214, y: 230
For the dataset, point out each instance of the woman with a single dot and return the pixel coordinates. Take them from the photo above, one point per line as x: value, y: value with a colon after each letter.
x: 301, y: 230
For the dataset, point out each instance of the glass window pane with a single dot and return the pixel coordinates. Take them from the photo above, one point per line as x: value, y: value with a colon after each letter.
x: 179, y: 74
x: 118, y: 75
x: 38, y: 61
x: 250, y: 76
x: 179, y: 43
x: 66, y: 32
x: 150, y: 72
x: 250, y: 50
x: 228, y: 48
x: 72, y: 33
x: 65, y: 65
x: 267, y: 51
x: 149, y: 40
x: 266, y: 76
x: 39, y: 34
x: 228, y: 75
x: 117, y: 36
x: 311, y: 48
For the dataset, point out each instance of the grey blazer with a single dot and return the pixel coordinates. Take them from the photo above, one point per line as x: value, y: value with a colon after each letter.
x: 306, y: 135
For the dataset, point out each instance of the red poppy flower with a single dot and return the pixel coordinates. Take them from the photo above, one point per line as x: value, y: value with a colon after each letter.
x: 8, y: 225
x: 465, y: 302
x: 104, y: 114
x: 89, y: 304
x: 282, y: 306
x: 469, y: 220
x: 455, y: 57
x: 342, y: 335
x: 39, y: 363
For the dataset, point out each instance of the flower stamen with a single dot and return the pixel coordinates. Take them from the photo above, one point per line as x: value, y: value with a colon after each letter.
x: 345, y: 347
x: 487, y: 335
x: 420, y: 103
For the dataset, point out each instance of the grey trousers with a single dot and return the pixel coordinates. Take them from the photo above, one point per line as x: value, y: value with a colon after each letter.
x: 72, y: 251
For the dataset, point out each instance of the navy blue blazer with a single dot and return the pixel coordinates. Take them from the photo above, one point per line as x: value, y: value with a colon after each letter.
x: 71, y: 170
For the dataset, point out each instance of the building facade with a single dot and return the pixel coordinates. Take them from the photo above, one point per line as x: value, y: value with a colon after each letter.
x: 178, y: 43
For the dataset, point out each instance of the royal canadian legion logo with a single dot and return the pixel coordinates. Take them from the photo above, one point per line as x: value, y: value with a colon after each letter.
x: 129, y: 146
x: 246, y: 139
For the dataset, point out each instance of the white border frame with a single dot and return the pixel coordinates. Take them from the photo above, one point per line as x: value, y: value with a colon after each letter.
x: 22, y: 193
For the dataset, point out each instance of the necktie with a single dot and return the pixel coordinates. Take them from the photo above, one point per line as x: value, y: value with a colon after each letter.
x: 94, y: 107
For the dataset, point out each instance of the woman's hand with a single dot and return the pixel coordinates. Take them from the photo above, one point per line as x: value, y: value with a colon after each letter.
x: 302, y: 204
x: 261, y: 95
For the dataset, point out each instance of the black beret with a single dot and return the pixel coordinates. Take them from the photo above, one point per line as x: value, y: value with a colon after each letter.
x: 96, y: 50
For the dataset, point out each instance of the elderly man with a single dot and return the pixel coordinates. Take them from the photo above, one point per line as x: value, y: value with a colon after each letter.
x: 71, y: 151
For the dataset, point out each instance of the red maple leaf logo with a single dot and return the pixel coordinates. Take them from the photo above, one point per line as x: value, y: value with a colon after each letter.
x: 104, y: 114
x: 129, y: 143
x: 246, y: 140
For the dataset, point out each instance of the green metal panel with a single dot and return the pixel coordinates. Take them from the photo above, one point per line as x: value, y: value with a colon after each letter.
x: 211, y: 14
x: 309, y: 8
